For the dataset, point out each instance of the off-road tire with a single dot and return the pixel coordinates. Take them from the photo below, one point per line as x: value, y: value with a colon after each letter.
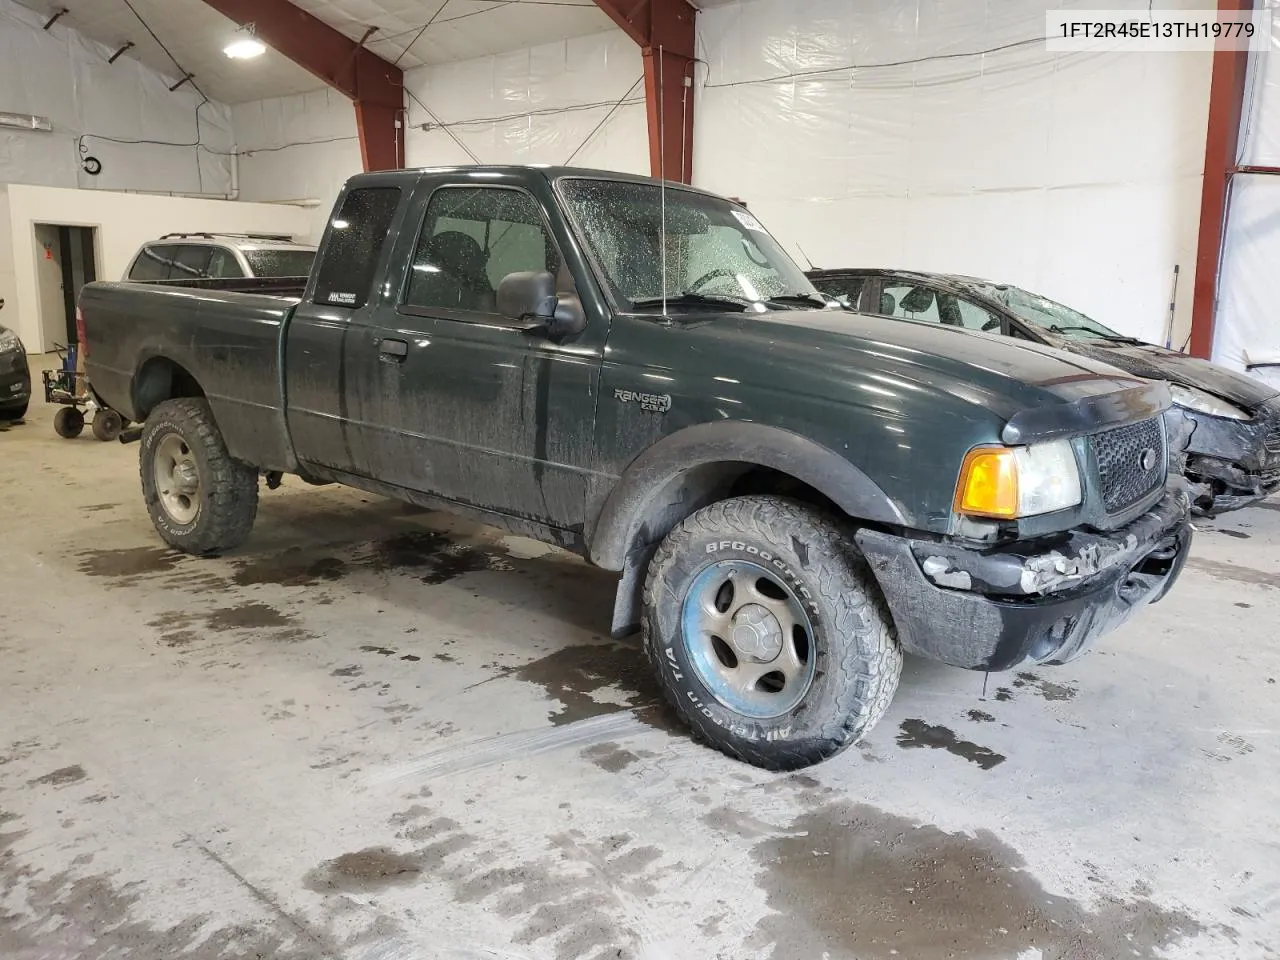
x: 228, y: 494
x: 68, y: 423
x: 858, y: 663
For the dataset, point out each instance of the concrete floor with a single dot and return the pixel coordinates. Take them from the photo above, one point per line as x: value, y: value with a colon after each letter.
x: 377, y: 734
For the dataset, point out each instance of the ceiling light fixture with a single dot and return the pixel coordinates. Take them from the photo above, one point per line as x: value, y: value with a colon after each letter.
x: 245, y: 45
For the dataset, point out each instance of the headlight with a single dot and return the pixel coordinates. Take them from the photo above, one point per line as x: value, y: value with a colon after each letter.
x: 1008, y: 482
x: 9, y: 341
x: 1194, y: 399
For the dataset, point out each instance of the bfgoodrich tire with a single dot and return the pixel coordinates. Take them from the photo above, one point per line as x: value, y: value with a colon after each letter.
x: 200, y: 499
x: 768, y: 633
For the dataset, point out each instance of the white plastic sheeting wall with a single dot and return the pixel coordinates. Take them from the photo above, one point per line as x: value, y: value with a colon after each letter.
x: 1077, y: 176
x: 1247, y: 327
x: 543, y: 104
x: 64, y: 76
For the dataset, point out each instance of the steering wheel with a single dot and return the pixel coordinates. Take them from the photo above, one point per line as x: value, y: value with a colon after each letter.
x: 706, y: 278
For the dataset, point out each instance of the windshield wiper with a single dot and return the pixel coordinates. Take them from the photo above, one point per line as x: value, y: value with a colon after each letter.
x: 693, y: 300
x: 802, y: 299
x: 1095, y: 334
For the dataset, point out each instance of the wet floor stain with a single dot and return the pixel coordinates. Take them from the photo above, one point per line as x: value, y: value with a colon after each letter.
x: 916, y: 733
x: 433, y: 557
x: 414, y: 658
x: 1244, y: 606
x: 1003, y: 694
x: 1239, y: 535
x: 591, y: 680
x: 293, y: 568
x: 60, y: 777
x: 851, y: 880
x: 365, y: 871
x: 247, y: 616
x: 610, y: 757
x: 99, y: 507
x: 1046, y: 689
x: 980, y: 716
x: 351, y: 671
x: 128, y: 562
x: 381, y: 651
x: 444, y: 658
x: 1234, y: 571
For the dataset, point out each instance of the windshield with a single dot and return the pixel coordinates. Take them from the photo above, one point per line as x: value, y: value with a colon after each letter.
x: 267, y: 262
x: 717, y: 254
x: 1050, y: 314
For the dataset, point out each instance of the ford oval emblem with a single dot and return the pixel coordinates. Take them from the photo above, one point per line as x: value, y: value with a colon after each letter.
x: 1148, y: 458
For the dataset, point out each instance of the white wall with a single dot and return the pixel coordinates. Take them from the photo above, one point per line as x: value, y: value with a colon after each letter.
x: 1076, y: 176
x: 64, y: 76
x: 538, y: 105
x: 1246, y: 328
x: 125, y: 221
x: 8, y: 286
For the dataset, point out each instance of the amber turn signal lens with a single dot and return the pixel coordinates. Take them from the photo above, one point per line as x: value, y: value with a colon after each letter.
x: 988, y: 484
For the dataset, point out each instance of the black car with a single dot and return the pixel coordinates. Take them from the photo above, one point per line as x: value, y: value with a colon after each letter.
x: 1233, y: 455
x: 15, y: 378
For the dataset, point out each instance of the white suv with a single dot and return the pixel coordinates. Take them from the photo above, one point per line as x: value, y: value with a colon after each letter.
x: 227, y: 256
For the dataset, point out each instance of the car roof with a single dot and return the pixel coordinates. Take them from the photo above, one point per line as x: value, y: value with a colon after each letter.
x: 549, y: 172
x: 241, y: 241
x: 922, y: 276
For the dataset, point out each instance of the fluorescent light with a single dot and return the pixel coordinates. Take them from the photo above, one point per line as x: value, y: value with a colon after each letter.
x: 246, y: 48
x: 25, y: 121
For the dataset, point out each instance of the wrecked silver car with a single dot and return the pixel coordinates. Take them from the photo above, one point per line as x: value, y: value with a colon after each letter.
x: 1232, y: 456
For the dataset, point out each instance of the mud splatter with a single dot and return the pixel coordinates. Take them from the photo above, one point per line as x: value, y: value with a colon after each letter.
x: 351, y: 671
x: 365, y: 871
x: 610, y: 757
x: 293, y: 568
x: 381, y: 651
x: 1238, y: 534
x: 60, y: 777
x: 1050, y: 691
x: 99, y: 507
x: 444, y: 658
x: 852, y: 880
x: 127, y: 563
x: 413, y: 657
x: 247, y: 616
x: 980, y: 716
x: 574, y: 675
x: 917, y: 733
x: 1003, y: 694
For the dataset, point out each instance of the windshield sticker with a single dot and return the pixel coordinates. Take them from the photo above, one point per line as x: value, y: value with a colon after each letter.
x: 748, y: 221
x: 346, y: 299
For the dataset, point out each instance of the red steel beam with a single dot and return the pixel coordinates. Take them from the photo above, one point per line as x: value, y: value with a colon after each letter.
x: 375, y: 86
x: 1222, y: 141
x: 664, y: 29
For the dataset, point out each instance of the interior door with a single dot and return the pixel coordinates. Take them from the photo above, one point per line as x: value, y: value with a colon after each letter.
x: 460, y: 402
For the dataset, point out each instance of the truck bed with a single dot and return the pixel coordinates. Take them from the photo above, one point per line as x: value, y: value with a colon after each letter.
x: 229, y: 341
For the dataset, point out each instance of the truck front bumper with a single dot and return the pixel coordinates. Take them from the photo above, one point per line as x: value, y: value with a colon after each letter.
x: 1045, y: 601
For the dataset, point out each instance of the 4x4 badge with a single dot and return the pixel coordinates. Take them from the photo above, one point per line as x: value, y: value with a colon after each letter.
x: 656, y: 402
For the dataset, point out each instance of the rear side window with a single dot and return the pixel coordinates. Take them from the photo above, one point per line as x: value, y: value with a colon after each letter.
x: 153, y: 263
x: 223, y: 265
x: 280, y: 263
x: 191, y: 263
x: 847, y: 288
x: 355, y: 242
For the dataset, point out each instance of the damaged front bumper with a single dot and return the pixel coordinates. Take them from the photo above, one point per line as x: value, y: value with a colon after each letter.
x: 1046, y: 601
x: 1232, y: 463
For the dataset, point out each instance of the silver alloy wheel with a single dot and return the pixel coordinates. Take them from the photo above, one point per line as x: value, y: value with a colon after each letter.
x: 748, y: 638
x: 177, y: 479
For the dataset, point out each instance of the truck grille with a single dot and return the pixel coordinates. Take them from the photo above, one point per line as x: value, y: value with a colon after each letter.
x: 1132, y: 462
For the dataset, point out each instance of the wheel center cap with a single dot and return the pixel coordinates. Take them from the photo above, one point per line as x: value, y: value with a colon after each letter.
x: 185, y: 477
x: 757, y: 634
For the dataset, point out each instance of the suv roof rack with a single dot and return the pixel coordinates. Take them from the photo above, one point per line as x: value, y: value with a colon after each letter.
x: 279, y: 237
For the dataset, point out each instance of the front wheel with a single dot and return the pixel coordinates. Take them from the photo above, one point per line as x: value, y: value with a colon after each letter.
x: 768, y: 632
x: 200, y: 499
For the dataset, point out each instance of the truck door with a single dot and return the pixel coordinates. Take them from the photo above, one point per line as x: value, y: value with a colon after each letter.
x: 464, y: 403
x: 319, y: 390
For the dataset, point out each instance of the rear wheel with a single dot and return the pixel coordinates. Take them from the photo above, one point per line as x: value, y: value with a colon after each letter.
x: 68, y: 423
x: 768, y: 632
x: 200, y: 499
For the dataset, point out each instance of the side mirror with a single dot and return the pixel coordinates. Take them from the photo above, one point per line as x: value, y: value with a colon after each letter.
x: 530, y: 297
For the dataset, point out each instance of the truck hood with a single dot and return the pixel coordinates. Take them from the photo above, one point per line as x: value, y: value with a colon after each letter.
x: 836, y: 351
x: 1157, y: 363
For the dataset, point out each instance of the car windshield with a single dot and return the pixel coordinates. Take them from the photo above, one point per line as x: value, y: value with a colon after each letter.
x: 268, y: 262
x: 1051, y: 315
x: 718, y: 256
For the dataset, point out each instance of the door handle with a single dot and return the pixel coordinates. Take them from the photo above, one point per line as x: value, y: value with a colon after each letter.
x: 393, y: 349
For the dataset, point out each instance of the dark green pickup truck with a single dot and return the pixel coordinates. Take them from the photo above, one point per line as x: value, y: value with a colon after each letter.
x: 794, y: 496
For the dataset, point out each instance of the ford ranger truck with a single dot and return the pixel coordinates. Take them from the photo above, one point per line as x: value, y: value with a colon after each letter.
x: 637, y: 372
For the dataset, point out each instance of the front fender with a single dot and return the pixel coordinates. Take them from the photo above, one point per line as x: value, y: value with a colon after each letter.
x: 650, y: 492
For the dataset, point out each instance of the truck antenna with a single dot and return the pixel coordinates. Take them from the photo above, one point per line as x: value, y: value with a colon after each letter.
x: 662, y: 175
x: 806, y: 257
